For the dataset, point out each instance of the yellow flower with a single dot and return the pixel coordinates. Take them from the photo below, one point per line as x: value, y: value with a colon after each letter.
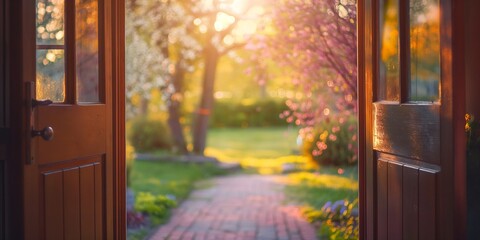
x: 469, y: 118
x: 467, y: 127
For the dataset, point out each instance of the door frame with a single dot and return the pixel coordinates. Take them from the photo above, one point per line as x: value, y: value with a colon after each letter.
x: 19, y: 38
x: 451, y: 221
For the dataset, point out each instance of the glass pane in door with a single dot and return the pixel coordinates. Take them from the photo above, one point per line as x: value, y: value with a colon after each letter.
x: 389, y: 67
x: 50, y: 82
x: 87, y: 54
x: 424, y: 50
x: 50, y: 55
x: 50, y: 22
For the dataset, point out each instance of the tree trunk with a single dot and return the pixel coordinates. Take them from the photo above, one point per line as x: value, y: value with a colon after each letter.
x: 206, y: 103
x: 174, y: 111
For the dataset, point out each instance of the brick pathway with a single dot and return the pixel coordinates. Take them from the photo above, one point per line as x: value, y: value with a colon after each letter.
x: 239, y: 207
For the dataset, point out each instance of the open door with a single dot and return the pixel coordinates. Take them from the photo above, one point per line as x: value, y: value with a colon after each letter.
x: 412, y: 106
x: 67, y: 114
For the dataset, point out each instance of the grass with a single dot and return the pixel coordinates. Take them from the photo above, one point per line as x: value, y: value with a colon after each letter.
x: 169, y: 178
x: 264, y: 150
x: 314, y: 189
x: 230, y: 144
x: 267, y: 149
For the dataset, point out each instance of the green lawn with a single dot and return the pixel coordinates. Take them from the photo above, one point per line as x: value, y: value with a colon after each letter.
x: 240, y: 143
x: 262, y: 149
x: 168, y: 179
x: 171, y: 178
x: 314, y: 189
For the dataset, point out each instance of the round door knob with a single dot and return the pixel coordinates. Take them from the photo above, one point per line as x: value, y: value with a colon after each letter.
x: 47, y: 133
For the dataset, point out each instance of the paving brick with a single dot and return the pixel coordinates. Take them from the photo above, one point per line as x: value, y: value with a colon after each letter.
x: 241, y: 207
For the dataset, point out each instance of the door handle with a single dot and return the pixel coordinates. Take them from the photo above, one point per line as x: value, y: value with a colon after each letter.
x: 47, y: 133
x: 36, y: 103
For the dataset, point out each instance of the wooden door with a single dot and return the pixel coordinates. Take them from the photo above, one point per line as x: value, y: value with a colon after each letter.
x: 71, y: 132
x: 412, y: 152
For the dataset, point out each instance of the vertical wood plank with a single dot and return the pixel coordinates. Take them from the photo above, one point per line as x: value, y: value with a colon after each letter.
x: 53, y: 192
x: 382, y: 199
x: 410, y: 203
x: 394, y: 201
x: 87, y: 205
x: 427, y: 201
x: 99, y: 210
x: 71, y: 194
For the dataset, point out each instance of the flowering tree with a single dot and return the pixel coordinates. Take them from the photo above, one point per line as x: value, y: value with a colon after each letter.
x: 315, y: 41
x: 146, y: 68
x: 180, y: 33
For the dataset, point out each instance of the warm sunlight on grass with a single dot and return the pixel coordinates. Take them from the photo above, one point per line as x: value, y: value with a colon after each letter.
x: 316, y: 188
x: 265, y: 150
x: 239, y: 143
x: 322, y: 181
x: 169, y: 178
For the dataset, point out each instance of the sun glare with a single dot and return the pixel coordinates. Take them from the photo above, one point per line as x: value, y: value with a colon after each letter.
x: 248, y: 19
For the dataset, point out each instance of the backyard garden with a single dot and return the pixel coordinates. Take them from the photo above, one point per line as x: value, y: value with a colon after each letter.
x: 225, y: 88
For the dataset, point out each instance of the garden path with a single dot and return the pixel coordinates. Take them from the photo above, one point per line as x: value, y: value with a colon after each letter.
x: 238, y: 207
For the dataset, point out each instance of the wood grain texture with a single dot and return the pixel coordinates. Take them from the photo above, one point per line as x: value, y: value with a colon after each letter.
x: 71, y: 195
x: 395, y: 184
x: 412, y: 131
x: 87, y: 203
x: 81, y: 128
x: 382, y: 199
x: 410, y: 203
x: 99, y: 202
x: 115, y: 91
x: 426, y: 202
x: 53, y: 192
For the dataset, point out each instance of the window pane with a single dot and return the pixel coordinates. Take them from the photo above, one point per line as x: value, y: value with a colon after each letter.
x: 389, y: 81
x: 50, y: 82
x: 87, y: 50
x: 424, y: 50
x: 50, y: 22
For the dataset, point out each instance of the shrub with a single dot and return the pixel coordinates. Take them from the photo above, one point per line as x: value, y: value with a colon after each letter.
x: 148, y: 134
x: 248, y: 113
x: 339, y: 221
x: 333, y: 143
x: 157, y: 207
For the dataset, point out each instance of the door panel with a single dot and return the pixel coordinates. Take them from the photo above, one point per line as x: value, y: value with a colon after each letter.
x: 81, y: 129
x: 410, y: 202
x: 407, y: 130
x: 406, y: 113
x: 406, y: 198
x: 74, y: 169
x: 53, y: 204
x: 412, y: 106
x: 74, y: 201
x: 71, y: 188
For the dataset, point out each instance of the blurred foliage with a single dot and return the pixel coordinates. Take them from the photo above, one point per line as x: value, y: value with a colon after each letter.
x: 248, y: 113
x: 338, y: 220
x: 157, y: 207
x: 317, y: 190
x: 333, y: 143
x: 149, y: 134
x: 130, y: 158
